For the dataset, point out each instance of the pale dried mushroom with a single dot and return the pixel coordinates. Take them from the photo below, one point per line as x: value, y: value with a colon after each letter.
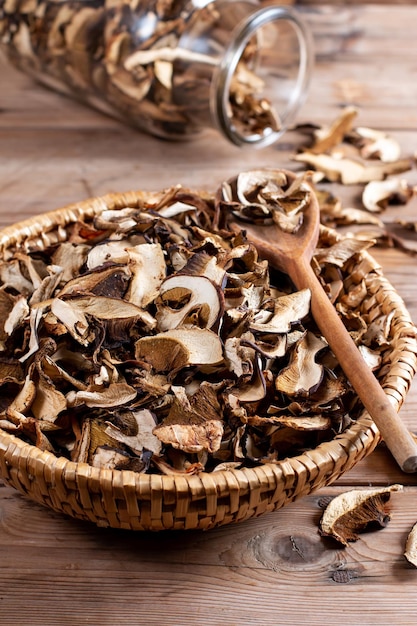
x: 377, y: 195
x: 186, y: 299
x: 411, y: 546
x: 353, y: 511
x: 304, y: 373
x: 326, y: 138
x: 376, y: 144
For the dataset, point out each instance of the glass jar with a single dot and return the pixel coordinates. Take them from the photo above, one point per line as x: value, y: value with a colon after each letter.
x: 169, y: 67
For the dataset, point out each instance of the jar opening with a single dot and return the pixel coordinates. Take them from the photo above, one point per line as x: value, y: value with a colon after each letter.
x: 263, y: 77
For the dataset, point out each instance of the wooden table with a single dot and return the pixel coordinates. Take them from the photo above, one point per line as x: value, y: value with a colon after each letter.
x: 268, y: 571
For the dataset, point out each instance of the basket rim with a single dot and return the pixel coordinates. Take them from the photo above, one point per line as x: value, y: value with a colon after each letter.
x: 362, y: 430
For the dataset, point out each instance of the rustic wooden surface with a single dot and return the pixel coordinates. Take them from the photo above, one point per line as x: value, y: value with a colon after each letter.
x: 276, y: 569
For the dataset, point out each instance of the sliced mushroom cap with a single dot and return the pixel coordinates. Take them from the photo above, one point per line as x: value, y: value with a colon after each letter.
x: 143, y: 438
x: 303, y: 375
x: 411, y: 546
x: 194, y: 422
x: 49, y: 402
x: 377, y: 144
x: 326, y: 138
x: 188, y: 299
x: 147, y: 264
x: 116, y: 394
x: 109, y: 281
x: 176, y: 208
x: 180, y: 347
x: 73, y: 319
x: 371, y: 357
x: 11, y: 276
x: 288, y: 310
x: 377, y: 195
x: 342, y: 250
x: 249, y: 184
x: 19, y: 311
x: 255, y: 389
x: 102, y: 308
x: 350, y: 512
x: 109, y: 251
x: 23, y: 401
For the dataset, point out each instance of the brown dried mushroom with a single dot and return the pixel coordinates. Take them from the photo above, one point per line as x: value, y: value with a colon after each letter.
x: 353, y: 511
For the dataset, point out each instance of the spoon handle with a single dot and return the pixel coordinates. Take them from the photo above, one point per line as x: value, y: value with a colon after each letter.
x: 396, y: 436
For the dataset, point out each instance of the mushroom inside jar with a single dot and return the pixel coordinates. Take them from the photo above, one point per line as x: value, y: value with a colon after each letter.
x: 150, y: 338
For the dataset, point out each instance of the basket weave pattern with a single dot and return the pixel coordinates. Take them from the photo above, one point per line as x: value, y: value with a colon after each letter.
x: 129, y: 500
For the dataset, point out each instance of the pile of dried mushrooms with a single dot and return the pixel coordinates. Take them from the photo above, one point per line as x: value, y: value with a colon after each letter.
x: 152, y: 338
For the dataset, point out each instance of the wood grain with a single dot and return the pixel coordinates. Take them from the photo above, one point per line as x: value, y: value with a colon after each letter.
x: 56, y: 571
x: 276, y: 569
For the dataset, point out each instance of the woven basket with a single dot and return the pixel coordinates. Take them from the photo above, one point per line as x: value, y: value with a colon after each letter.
x: 129, y: 500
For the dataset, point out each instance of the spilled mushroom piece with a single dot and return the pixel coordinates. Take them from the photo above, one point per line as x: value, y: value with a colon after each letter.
x: 152, y: 338
x: 411, y: 546
x: 376, y: 144
x: 326, y: 138
x: 377, y: 195
x: 194, y: 423
x: 354, y: 511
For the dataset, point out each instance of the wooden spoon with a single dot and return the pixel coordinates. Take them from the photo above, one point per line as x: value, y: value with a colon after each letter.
x: 292, y: 254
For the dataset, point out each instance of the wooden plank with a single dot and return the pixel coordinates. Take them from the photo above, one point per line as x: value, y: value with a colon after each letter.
x: 276, y: 569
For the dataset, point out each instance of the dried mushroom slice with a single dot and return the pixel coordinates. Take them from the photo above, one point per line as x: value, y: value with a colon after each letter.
x: 178, y: 348
x: 304, y: 374
x: 113, y: 395
x: 411, y: 546
x: 353, y: 511
x: 185, y: 299
x: 326, y: 138
x: 375, y: 144
x: 143, y: 437
x: 288, y: 310
x: 194, y: 422
x: 377, y: 195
